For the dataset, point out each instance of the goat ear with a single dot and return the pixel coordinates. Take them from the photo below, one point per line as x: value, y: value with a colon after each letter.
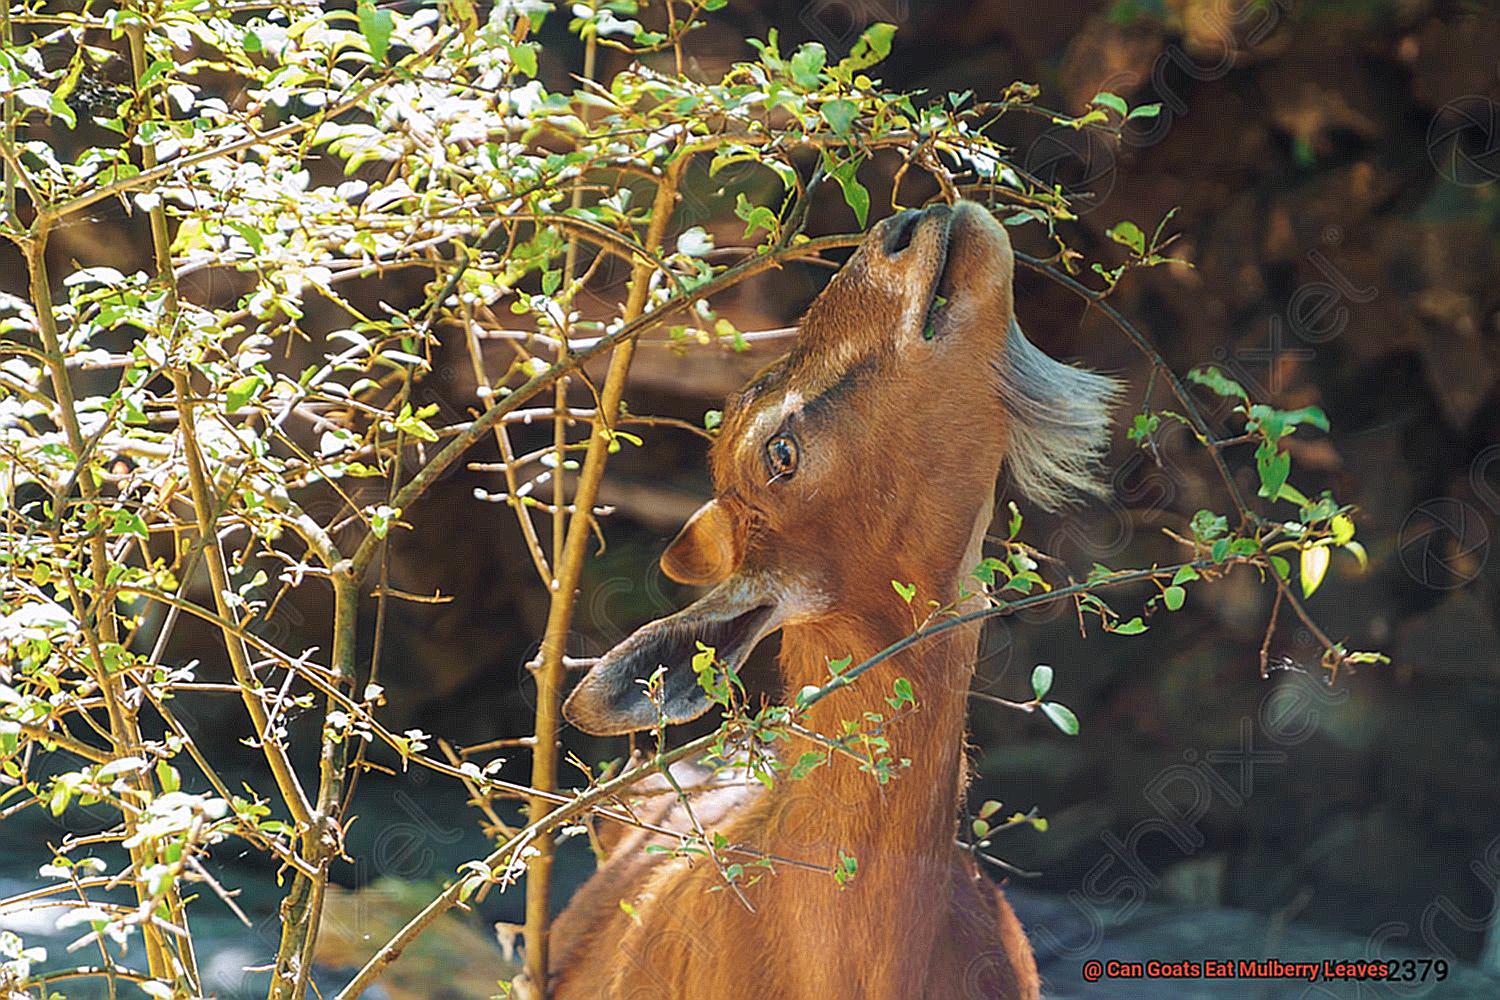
x: 706, y: 550
x: 612, y: 698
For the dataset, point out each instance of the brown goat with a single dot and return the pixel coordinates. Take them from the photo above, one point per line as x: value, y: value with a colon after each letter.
x: 867, y: 454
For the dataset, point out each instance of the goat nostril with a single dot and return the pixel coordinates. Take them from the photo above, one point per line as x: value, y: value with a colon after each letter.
x: 901, y: 227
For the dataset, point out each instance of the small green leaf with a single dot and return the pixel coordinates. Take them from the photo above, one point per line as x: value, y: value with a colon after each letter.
x: 839, y: 114
x: 1342, y: 526
x: 1274, y: 466
x: 1210, y: 377
x: 1128, y: 234
x: 240, y: 392
x: 1041, y: 680
x: 376, y: 25
x: 989, y: 809
x: 128, y: 522
x: 153, y: 73
x: 1062, y: 717
x: 1290, y: 492
x: 987, y: 568
x: 1173, y: 597
x: 1183, y: 575
x: 1142, y: 426
x: 807, y: 65
x: 1133, y: 627
x: 873, y: 46
x: 1207, y: 525
x: 805, y: 765
x: 712, y: 419
x: 703, y: 659
x: 1144, y: 111
x: 855, y: 194
x: 523, y: 57
x: 907, y: 590
x: 1114, y: 102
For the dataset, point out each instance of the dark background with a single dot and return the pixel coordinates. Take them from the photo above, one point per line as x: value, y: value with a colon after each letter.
x: 1337, y: 172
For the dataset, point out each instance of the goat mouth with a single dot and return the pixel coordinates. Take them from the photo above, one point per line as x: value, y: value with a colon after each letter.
x: 941, y: 291
x: 735, y: 636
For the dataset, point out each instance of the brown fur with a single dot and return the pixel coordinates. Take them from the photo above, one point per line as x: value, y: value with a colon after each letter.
x: 900, y: 399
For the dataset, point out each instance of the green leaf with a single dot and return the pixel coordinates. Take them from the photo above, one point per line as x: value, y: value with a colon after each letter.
x: 1041, y: 680
x: 1358, y: 552
x: 1128, y: 234
x: 376, y: 25
x: 1342, y: 526
x: 1307, y: 415
x: 381, y: 519
x: 712, y: 419
x: 906, y: 590
x: 59, y: 107
x: 240, y: 392
x: 1144, y: 111
x: 846, y: 868
x: 805, y: 765
x: 855, y: 195
x: 839, y: 114
x: 1207, y: 525
x: 1114, y: 102
x: 128, y: 522
x: 1173, y: 597
x: 1062, y: 717
x: 807, y: 64
x: 523, y: 57
x: 1314, y: 568
x: 1290, y: 492
x: 1282, y: 567
x: 153, y: 73
x: 1183, y: 575
x: 873, y: 46
x: 1133, y: 627
x: 989, y: 809
x: 987, y: 568
x: 1211, y: 378
x: 1274, y: 467
x: 1142, y: 426
x: 755, y: 217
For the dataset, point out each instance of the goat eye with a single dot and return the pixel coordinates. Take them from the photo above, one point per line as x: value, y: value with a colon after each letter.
x: 781, y: 455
